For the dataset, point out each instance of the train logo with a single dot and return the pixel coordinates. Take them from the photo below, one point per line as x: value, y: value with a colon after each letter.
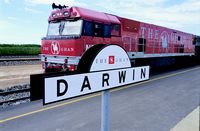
x: 164, y: 39
x: 111, y: 59
x: 55, y: 47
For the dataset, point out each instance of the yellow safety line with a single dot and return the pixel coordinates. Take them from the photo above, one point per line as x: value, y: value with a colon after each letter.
x: 92, y: 96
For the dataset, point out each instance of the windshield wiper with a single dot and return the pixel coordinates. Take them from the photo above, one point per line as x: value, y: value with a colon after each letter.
x: 61, y: 27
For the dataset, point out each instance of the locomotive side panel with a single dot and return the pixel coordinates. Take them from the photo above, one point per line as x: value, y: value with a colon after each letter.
x: 163, y: 40
x: 142, y: 40
x: 130, y: 30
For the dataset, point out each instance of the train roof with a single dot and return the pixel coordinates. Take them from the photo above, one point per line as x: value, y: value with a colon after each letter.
x: 87, y: 14
x: 95, y: 15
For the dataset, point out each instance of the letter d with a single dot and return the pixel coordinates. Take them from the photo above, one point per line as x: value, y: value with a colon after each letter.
x: 59, y: 82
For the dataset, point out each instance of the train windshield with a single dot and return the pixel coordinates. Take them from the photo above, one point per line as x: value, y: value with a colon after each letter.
x: 65, y: 28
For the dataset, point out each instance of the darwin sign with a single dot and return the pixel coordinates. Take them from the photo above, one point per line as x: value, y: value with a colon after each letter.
x: 63, y: 87
x: 109, y: 68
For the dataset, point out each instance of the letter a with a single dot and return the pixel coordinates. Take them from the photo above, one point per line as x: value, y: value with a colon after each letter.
x: 86, y: 84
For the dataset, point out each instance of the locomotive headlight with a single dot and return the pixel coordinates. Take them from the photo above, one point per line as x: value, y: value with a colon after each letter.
x: 53, y: 15
x: 66, y: 13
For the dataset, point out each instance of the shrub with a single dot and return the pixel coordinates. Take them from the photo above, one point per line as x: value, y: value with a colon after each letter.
x: 16, y: 49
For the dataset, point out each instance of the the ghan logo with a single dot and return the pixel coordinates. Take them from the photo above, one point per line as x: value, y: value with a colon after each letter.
x: 111, y: 60
x: 55, y: 47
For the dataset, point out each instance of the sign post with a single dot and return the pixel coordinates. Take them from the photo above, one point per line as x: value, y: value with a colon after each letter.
x: 105, y: 110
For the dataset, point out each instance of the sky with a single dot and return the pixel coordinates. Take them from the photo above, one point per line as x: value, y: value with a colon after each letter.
x: 25, y: 21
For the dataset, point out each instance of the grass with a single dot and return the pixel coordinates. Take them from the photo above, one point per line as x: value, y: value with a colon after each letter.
x: 19, y: 49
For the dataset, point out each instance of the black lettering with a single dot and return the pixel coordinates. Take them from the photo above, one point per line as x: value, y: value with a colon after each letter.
x: 105, y: 78
x: 133, y: 74
x: 105, y: 61
x: 143, y: 72
x: 59, y: 93
x: 122, y: 76
x: 86, y: 84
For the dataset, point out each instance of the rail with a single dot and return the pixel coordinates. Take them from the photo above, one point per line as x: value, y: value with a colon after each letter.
x: 8, y: 97
x: 19, y: 59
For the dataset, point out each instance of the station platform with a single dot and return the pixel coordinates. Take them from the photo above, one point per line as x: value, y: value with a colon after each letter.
x: 163, y: 103
x: 190, y: 122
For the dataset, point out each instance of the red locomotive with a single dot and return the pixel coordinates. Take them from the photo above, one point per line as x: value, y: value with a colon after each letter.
x: 72, y: 30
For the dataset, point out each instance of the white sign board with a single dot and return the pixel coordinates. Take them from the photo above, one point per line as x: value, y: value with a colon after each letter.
x: 111, y: 57
x: 69, y: 86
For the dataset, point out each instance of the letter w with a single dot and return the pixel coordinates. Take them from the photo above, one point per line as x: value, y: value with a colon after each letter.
x: 122, y: 76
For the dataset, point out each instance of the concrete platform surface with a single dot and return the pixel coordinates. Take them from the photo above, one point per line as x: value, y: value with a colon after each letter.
x: 190, y: 122
x: 154, y: 105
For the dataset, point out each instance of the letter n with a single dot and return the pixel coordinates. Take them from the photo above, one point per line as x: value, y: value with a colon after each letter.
x: 143, y: 73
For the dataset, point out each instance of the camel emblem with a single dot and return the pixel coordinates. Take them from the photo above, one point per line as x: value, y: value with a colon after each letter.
x: 55, y: 47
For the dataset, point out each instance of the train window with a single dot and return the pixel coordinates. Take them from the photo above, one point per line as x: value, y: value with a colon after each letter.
x: 88, y: 28
x: 142, y: 41
x: 115, y: 30
x: 98, y: 30
x: 179, y: 38
x: 107, y: 31
x: 141, y: 45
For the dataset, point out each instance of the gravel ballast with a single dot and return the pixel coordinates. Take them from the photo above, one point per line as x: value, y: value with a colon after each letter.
x: 14, y: 96
x: 17, y: 95
x: 11, y: 63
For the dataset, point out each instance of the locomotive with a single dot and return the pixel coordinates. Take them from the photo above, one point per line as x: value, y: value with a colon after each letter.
x: 73, y: 30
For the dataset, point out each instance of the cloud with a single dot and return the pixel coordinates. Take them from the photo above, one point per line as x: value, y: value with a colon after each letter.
x: 66, y: 2
x: 13, y: 18
x: 178, y: 15
x: 28, y: 9
x: 7, y: 1
x: 4, y: 24
x: 186, y: 6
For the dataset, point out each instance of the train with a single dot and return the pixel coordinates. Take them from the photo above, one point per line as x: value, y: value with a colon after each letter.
x: 73, y: 30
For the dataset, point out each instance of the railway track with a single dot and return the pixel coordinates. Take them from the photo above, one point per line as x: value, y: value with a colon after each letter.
x: 19, y: 59
x: 13, y: 96
x: 11, y: 76
x: 14, y: 83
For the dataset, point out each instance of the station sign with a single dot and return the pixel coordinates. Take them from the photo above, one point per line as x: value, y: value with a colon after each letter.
x: 108, y: 68
x: 65, y: 87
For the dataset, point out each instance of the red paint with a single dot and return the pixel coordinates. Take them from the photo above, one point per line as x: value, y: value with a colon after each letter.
x: 111, y: 60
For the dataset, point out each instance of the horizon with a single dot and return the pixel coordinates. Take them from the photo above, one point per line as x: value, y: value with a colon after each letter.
x: 25, y: 21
